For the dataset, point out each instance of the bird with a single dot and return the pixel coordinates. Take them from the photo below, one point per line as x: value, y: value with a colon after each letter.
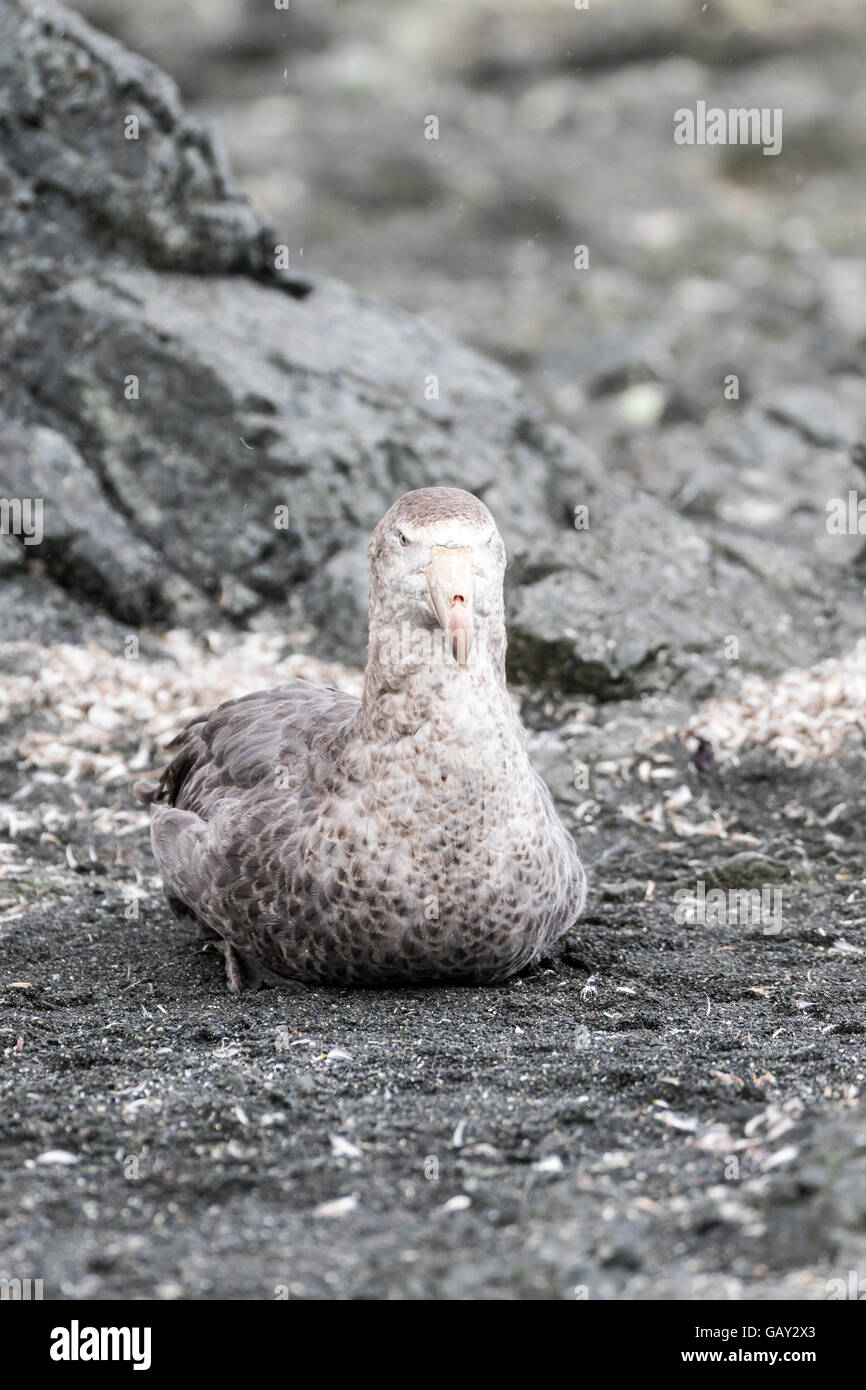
x: 400, y: 838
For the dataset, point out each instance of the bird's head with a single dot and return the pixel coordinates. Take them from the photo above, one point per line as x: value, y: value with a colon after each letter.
x: 436, y: 565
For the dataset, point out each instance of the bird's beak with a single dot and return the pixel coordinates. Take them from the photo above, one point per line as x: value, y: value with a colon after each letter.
x: 449, y: 579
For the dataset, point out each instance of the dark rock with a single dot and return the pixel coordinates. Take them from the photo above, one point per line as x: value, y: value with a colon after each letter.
x: 747, y: 869
x: 167, y: 396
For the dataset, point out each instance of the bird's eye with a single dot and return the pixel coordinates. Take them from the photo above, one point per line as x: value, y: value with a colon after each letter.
x: 403, y: 538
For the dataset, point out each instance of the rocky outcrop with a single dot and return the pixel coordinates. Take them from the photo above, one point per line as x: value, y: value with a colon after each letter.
x: 214, y: 437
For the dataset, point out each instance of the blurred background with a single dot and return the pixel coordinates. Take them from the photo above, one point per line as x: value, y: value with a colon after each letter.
x: 556, y: 130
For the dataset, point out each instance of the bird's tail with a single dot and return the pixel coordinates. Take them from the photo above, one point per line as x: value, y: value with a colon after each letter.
x: 188, y: 749
x: 146, y: 791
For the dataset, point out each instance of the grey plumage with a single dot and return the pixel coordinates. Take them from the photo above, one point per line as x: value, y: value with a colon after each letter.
x: 402, y: 838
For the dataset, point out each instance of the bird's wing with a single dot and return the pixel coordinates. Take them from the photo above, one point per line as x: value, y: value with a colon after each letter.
x: 268, y: 737
x: 220, y: 798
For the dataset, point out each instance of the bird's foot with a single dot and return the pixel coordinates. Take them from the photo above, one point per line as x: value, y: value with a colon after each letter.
x: 235, y: 975
x: 234, y: 969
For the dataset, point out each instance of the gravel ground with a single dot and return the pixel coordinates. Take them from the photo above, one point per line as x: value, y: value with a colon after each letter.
x: 663, y: 1110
